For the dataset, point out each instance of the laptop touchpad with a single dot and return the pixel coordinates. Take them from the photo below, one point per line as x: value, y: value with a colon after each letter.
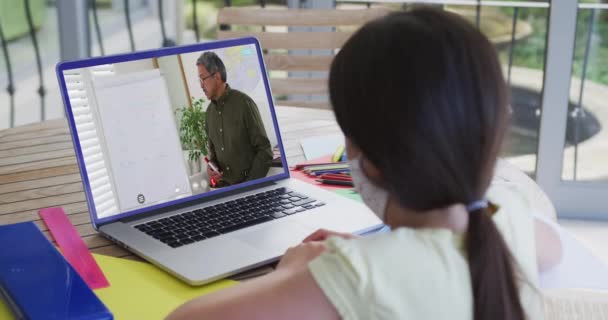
x: 275, y: 237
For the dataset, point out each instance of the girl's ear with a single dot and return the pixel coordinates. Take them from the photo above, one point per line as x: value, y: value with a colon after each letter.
x: 371, y: 171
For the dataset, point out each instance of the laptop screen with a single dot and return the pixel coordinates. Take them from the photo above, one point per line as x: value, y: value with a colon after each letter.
x: 163, y: 127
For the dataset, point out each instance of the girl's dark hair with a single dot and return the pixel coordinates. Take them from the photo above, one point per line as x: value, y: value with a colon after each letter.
x: 422, y: 94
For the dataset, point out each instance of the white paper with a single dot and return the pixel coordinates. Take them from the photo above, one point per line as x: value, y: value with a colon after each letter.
x: 316, y: 147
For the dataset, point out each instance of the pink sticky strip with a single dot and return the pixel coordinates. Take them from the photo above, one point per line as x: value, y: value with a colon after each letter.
x: 73, y: 248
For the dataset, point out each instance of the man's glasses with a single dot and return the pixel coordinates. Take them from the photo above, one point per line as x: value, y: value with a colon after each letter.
x: 202, y: 79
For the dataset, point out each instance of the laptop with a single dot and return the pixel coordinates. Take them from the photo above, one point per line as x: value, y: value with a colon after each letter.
x: 145, y: 187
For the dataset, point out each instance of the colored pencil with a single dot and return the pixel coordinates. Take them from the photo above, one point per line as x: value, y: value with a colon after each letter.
x: 321, y: 172
x: 336, y: 182
x: 302, y: 165
x: 336, y: 177
x: 316, y: 168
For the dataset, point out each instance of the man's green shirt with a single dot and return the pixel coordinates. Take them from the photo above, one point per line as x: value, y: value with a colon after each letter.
x: 238, y: 143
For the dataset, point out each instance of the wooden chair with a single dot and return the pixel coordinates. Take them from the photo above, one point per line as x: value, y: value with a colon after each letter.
x: 279, y: 46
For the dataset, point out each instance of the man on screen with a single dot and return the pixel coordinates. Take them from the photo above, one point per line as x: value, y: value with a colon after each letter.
x: 238, y: 144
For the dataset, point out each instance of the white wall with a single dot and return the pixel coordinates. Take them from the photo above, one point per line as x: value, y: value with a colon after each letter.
x: 170, y: 70
x: 240, y: 62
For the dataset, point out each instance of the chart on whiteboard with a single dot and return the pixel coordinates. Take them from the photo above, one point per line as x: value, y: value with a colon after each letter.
x: 141, y: 139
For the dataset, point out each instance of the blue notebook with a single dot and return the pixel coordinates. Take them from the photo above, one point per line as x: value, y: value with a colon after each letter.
x: 38, y: 283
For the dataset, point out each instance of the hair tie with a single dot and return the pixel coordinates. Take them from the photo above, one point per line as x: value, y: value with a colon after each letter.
x: 477, y: 205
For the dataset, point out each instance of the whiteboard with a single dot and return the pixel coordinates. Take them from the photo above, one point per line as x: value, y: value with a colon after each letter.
x: 142, y: 141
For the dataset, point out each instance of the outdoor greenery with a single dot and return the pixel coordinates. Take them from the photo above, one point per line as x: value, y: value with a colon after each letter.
x: 597, y: 69
x: 192, y: 129
x: 530, y: 52
x: 206, y: 14
x: 13, y: 19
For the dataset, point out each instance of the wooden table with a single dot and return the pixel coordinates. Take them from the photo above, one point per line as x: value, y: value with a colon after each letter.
x: 38, y: 169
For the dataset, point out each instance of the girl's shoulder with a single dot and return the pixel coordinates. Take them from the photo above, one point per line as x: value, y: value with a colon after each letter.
x: 392, y: 276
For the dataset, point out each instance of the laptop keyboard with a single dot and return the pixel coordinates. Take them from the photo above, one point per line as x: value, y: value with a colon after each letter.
x: 200, y: 224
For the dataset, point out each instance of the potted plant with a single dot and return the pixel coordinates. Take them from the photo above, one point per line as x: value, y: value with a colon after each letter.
x: 192, y: 132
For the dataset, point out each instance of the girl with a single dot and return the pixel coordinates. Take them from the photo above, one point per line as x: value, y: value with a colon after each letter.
x: 422, y: 102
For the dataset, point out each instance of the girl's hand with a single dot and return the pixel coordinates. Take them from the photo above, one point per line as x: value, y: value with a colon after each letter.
x: 323, y: 234
x: 300, y: 255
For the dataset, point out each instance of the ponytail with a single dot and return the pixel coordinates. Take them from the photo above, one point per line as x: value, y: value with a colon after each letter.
x: 495, y: 292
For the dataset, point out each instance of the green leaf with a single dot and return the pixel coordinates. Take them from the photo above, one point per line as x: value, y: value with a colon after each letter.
x: 192, y: 129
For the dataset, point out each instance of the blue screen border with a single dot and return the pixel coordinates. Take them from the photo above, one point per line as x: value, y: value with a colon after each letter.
x: 155, y: 53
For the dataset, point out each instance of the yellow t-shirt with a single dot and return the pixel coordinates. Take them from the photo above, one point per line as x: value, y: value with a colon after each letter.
x: 423, y: 273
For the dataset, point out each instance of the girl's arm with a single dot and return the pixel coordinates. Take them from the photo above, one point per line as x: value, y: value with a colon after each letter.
x: 290, y: 292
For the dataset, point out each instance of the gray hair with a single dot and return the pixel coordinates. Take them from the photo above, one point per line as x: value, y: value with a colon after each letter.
x: 212, y: 63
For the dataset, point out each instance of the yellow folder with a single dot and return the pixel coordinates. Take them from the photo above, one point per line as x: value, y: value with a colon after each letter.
x: 140, y: 290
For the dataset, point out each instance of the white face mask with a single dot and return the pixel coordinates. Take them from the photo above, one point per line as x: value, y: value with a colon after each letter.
x: 373, y: 196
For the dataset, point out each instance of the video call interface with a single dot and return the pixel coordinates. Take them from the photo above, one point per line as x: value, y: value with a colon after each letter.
x: 161, y: 129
